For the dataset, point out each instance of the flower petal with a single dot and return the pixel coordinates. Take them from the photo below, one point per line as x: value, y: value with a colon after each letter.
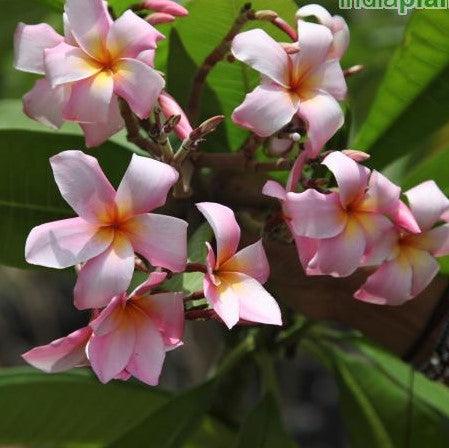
x: 90, y: 23
x: 324, y: 118
x: 148, y: 357
x: 30, y: 41
x: 225, y: 227
x: 435, y: 241
x: 341, y: 33
x: 170, y: 107
x: 314, y: 41
x: 251, y: 260
x: 98, y: 133
x: 341, y: 255
x: 391, y: 284
x: 161, y: 239
x: 90, y: 99
x: 381, y: 237
x: 65, y: 64
x: 130, y: 35
x: 132, y: 77
x: 329, y: 78
x: 428, y: 203
x: 320, y: 13
x: 144, y: 186
x: 352, y: 178
x: 167, y: 311
x: 424, y: 268
x: 154, y: 279
x: 105, y: 276
x: 261, y: 52
x: 223, y: 300
x: 110, y: 354
x: 111, y: 318
x: 315, y: 215
x: 255, y: 303
x: 45, y: 105
x: 62, y: 354
x: 306, y: 249
x: 83, y: 184
x: 403, y: 217
x: 382, y: 195
x: 266, y: 110
x: 65, y: 243
x: 274, y: 190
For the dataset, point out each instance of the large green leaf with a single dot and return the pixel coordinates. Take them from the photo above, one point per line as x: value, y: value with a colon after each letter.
x: 28, y: 194
x: 412, y: 100
x: 74, y: 410
x: 384, y: 403
x: 263, y: 427
x: 172, y: 424
x: 38, y: 410
x: 207, y: 24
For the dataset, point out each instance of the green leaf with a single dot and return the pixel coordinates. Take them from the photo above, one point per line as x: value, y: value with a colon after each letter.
x: 200, y: 32
x: 38, y: 409
x: 172, y: 424
x: 74, y: 410
x: 28, y: 193
x: 263, y: 427
x: 412, y: 100
x: 380, y: 407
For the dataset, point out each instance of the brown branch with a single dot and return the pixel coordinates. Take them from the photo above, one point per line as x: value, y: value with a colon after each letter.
x: 196, y: 267
x: 133, y: 131
x: 250, y: 145
x: 197, y: 295
x: 217, y: 55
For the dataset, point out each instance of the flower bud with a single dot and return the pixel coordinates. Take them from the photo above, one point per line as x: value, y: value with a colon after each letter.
x: 266, y: 14
x: 357, y: 156
x: 165, y: 6
x: 159, y: 17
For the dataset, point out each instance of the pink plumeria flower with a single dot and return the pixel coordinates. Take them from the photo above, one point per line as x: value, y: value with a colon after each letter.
x: 128, y: 338
x: 96, y: 62
x: 132, y: 335
x: 306, y: 84
x: 349, y: 225
x: 411, y: 264
x: 111, y: 226
x: 336, y: 24
x: 233, y: 284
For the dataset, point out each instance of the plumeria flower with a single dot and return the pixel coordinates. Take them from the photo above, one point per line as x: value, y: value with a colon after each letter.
x: 411, y: 264
x: 96, y: 62
x: 350, y: 225
x: 128, y: 338
x: 336, y: 24
x: 164, y: 11
x: 305, y: 83
x: 111, y: 226
x: 233, y: 283
x: 132, y: 335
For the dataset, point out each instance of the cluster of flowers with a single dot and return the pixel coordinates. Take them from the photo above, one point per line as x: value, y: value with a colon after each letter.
x: 129, y: 334
x: 96, y: 62
x: 360, y: 222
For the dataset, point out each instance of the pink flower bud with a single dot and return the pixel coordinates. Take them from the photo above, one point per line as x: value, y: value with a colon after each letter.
x: 159, y: 17
x: 165, y: 6
x: 357, y: 156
